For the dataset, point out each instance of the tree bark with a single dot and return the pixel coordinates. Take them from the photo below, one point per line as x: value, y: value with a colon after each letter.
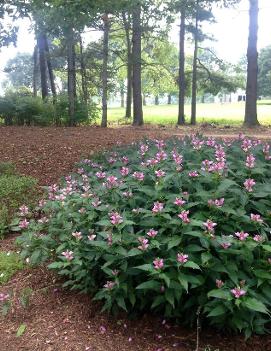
x: 156, y: 100
x: 42, y: 61
x: 71, y: 76
x: 50, y: 69
x: 169, y: 100
x: 251, y: 118
x: 122, y: 97
x: 83, y: 73
x: 136, y: 52
x: 181, y: 116
x: 194, y: 75
x: 105, y: 70
x: 35, y: 71
x: 127, y: 25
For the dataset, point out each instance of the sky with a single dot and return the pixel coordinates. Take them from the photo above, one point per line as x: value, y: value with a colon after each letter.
x: 230, y: 32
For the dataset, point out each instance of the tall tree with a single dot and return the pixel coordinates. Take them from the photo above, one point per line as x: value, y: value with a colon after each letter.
x: 181, y: 116
x: 50, y: 68
x: 43, y: 65
x: 195, y: 68
x: 105, y: 69
x: 71, y: 75
x: 136, y: 52
x: 251, y: 118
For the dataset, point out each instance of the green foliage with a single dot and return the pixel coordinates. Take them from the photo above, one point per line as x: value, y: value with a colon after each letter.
x: 264, y: 76
x: 10, y: 263
x: 154, y: 236
x: 14, y: 191
x: 7, y: 168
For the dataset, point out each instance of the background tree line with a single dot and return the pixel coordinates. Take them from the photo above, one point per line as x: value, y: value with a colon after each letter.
x: 65, y: 81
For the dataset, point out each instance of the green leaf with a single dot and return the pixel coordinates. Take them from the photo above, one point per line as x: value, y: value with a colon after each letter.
x: 146, y: 267
x: 169, y: 295
x: 21, y: 330
x: 175, y: 241
x: 192, y: 265
x: 121, y: 302
x: 267, y: 248
x: 217, y: 311
x: 220, y: 294
x: 149, y: 285
x: 255, y: 305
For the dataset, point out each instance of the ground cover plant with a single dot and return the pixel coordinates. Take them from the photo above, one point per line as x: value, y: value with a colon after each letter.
x: 180, y: 227
x: 14, y: 190
x: 10, y: 263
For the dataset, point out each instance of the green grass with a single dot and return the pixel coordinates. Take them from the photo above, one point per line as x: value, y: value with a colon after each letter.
x: 10, y: 263
x: 232, y: 114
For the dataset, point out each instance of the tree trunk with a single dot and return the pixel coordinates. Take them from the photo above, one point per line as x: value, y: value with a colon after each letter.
x: 42, y: 59
x: 71, y: 76
x: 169, y: 100
x: 181, y: 116
x: 83, y: 73
x: 194, y: 76
x: 122, y: 97
x: 156, y: 100
x: 35, y: 71
x: 105, y: 70
x: 50, y: 69
x: 251, y: 119
x: 126, y: 22
x: 137, y: 89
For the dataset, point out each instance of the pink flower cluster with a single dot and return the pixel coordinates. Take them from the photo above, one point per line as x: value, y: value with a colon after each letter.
x: 210, y: 226
x: 182, y: 258
x: 217, y: 203
x: 24, y: 211
x: 179, y: 201
x: 250, y: 161
x: 152, y: 233
x: 68, y: 255
x: 4, y: 297
x: 158, y: 263
x: 157, y: 207
x: 241, y: 235
x: 184, y: 216
x: 256, y: 218
x: 238, y: 292
x: 109, y: 285
x: 249, y: 184
x: 144, y: 243
x: 160, y: 173
x: 139, y: 176
x: 115, y: 218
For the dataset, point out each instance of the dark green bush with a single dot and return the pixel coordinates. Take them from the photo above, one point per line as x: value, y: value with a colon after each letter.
x: 176, y: 227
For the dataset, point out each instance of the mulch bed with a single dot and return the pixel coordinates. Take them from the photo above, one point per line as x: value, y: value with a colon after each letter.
x: 59, y: 320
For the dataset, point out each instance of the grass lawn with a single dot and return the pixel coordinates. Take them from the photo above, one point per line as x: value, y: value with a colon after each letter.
x: 212, y: 113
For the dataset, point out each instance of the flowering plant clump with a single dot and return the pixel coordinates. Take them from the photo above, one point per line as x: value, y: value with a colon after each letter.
x: 169, y: 226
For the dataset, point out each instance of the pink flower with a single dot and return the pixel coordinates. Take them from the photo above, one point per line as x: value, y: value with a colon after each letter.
x: 160, y: 144
x: 258, y: 238
x: 256, y: 218
x: 246, y: 144
x: 210, y: 226
x: 152, y: 233
x: 124, y: 171
x: 184, y: 216
x: 68, y: 255
x: 102, y: 329
x: 4, y: 297
x: 217, y: 203
x: 77, y: 235
x: 111, y: 181
x: 144, y: 243
x: 179, y: 201
x: 182, y: 258
x: 101, y: 175
x: 109, y: 285
x: 250, y: 161
x: 24, y: 211
x: 139, y: 176
x: 160, y: 173
x: 161, y: 156
x: 157, y: 207
x: 238, y: 292
x: 241, y: 235
x: 24, y: 224
x: 249, y: 183
x: 143, y: 149
x: 219, y: 283
x: 193, y: 174
x: 125, y: 160
x: 115, y: 218
x: 158, y: 263
x: 91, y: 237
x: 225, y: 245
x: 109, y: 240
x: 96, y: 203
x: 127, y: 194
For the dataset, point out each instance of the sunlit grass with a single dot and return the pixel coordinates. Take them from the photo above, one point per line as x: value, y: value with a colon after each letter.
x: 229, y: 113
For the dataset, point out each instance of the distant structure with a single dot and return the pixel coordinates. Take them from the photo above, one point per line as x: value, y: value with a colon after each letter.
x: 238, y: 96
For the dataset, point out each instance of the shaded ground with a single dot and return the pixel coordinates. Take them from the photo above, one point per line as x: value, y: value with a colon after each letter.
x: 49, y: 153
x: 57, y: 320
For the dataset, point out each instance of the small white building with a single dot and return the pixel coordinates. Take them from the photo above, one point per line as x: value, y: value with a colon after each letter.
x: 238, y: 96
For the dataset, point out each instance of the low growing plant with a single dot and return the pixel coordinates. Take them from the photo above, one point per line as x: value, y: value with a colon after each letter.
x: 10, y: 263
x: 174, y: 227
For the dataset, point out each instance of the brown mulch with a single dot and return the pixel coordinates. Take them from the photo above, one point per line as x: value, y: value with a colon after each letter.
x: 58, y: 320
x: 49, y: 153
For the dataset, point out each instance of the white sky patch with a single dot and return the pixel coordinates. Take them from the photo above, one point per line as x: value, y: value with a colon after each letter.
x: 230, y: 32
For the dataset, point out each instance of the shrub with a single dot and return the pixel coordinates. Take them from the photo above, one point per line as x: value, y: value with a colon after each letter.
x: 178, y: 227
x: 15, y: 190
